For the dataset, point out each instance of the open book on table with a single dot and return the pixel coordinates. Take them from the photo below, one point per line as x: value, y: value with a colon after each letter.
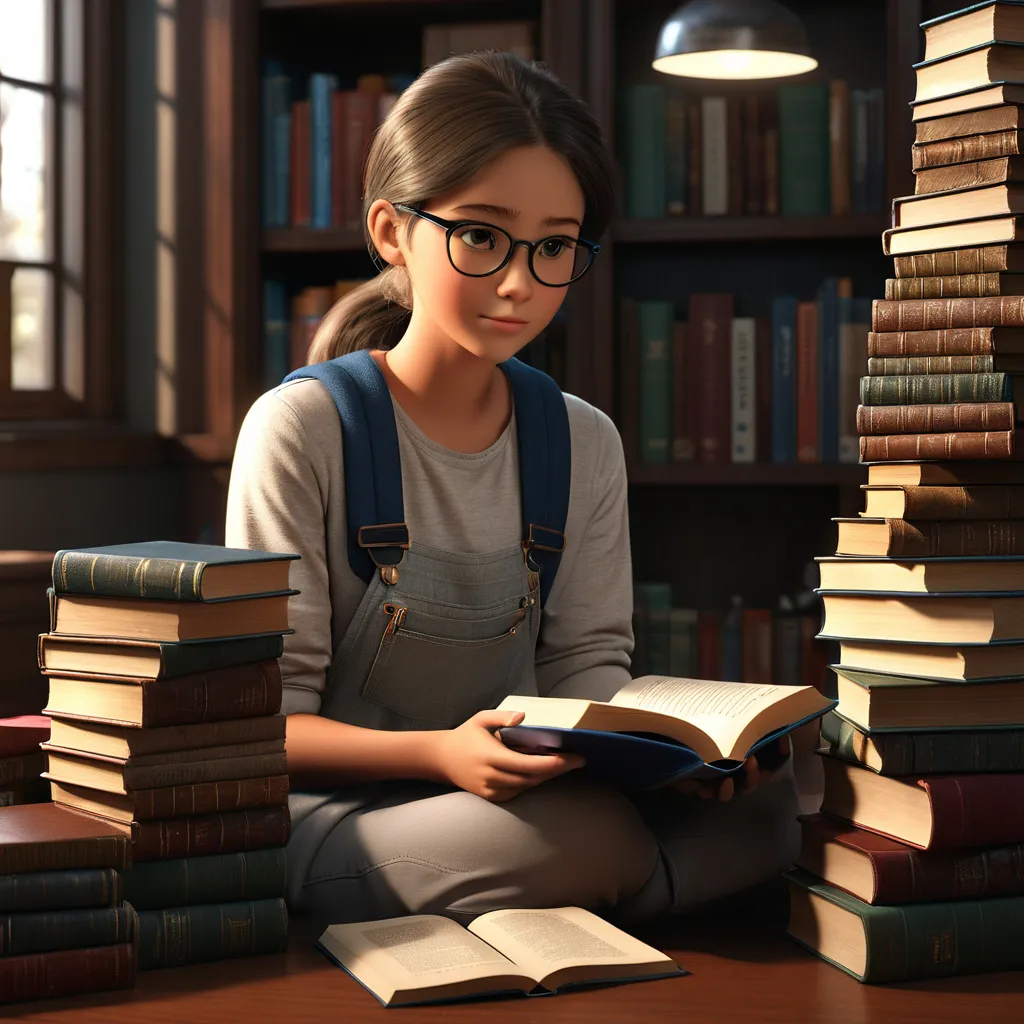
x: 658, y: 728
x: 426, y: 958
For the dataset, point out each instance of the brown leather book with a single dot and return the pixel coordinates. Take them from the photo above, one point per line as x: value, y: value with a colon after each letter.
x: 239, y: 691
x: 944, y: 473
x: 937, y: 812
x: 971, y: 175
x: 942, y: 314
x: 231, y: 832
x: 980, y: 231
x: 954, y: 286
x: 1005, y: 117
x: 68, y: 972
x: 877, y: 869
x: 44, y: 837
x: 902, y: 366
x: 988, y: 259
x: 934, y: 419
x: 966, y: 149
x: 957, y: 205
x: 899, y: 538
x: 174, y: 801
x: 986, y: 444
x: 963, y: 341
x: 807, y: 382
x: 915, y: 503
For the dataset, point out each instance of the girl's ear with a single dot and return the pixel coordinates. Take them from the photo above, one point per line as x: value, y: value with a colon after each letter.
x: 383, y: 224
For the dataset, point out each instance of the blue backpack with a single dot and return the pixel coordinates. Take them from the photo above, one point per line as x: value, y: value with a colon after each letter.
x: 374, y: 506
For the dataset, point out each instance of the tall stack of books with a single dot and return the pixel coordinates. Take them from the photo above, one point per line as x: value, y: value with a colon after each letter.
x: 64, y: 929
x: 165, y: 694
x: 915, y: 867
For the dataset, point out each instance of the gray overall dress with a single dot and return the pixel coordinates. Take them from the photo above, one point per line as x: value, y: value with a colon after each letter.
x: 438, y: 636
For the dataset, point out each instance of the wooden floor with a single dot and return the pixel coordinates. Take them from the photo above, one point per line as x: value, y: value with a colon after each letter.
x: 744, y: 970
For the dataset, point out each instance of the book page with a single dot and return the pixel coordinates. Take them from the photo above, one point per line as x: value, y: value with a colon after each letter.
x: 544, y: 942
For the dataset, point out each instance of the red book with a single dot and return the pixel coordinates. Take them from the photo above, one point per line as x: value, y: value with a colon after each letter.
x: 67, y: 972
x: 22, y: 735
x: 877, y: 869
x: 807, y: 382
x: 356, y: 113
x: 710, y: 324
x: 301, y: 187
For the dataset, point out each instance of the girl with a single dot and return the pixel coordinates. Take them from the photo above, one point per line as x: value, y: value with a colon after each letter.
x: 485, y: 190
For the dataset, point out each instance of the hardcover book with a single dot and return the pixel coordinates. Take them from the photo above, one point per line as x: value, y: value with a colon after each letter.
x: 937, y: 661
x: 925, y: 576
x: 898, y: 538
x: 68, y: 972
x: 44, y: 837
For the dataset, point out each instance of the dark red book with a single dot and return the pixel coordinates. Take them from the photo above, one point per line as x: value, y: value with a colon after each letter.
x: 709, y: 645
x: 67, y: 972
x: 877, y: 869
x: 807, y: 449
x: 710, y: 323
x: 23, y: 734
x: 230, y: 832
x: 301, y: 185
x: 355, y: 114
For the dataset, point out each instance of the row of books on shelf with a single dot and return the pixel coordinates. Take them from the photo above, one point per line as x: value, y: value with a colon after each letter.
x: 740, y: 644
x: 719, y: 388
x: 315, y: 134
x: 803, y: 150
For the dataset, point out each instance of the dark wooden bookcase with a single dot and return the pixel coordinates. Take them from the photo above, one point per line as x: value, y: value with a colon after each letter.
x: 713, y: 531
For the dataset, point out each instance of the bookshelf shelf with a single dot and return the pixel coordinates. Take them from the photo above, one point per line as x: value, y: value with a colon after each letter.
x: 748, y: 229
x: 750, y: 474
x: 313, y: 240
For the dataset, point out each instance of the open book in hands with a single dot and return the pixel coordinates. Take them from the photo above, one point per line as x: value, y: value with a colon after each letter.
x: 426, y: 958
x: 659, y: 728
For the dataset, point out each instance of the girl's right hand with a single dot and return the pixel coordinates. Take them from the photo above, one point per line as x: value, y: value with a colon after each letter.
x: 473, y: 758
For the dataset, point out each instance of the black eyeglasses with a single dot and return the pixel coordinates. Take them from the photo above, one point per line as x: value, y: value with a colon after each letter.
x: 478, y: 249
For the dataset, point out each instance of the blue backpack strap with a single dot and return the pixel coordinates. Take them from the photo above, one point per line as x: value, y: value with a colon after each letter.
x: 374, y: 506
x: 545, y: 462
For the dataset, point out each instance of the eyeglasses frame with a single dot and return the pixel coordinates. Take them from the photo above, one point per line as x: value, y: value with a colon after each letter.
x: 451, y: 226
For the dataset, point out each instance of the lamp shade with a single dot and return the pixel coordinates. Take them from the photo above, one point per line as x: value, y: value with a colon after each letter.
x: 733, y: 39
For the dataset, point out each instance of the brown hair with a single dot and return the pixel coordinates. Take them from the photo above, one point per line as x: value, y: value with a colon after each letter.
x: 458, y: 116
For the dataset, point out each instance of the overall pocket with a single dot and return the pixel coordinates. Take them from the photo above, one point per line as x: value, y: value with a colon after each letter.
x: 440, y: 681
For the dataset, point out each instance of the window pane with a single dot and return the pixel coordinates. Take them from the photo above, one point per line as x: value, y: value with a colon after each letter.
x: 24, y: 173
x: 25, y: 28
x: 31, y: 329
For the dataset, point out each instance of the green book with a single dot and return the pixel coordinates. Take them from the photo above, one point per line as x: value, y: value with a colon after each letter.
x: 908, y: 942
x: 935, y: 389
x: 654, y: 320
x: 60, y: 890
x: 804, y: 181
x: 642, y: 142
x: 50, y: 930
x: 165, y: 570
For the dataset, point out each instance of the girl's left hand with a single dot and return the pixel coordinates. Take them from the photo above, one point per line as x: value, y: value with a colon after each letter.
x: 746, y: 780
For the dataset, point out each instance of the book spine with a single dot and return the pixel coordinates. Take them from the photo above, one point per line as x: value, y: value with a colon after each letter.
x: 951, y: 286
x: 252, y: 875
x: 644, y: 149
x: 972, y: 175
x: 629, y: 366
x: 321, y: 86
x: 854, y: 317
x: 656, y: 361
x: 934, y: 389
x: 804, y: 179
x: 684, y: 420
x: 989, y: 444
x: 60, y: 890
x: 965, y: 150
x: 231, y: 832
x: 302, y: 171
x: 715, y: 155
x: 940, y: 314
x: 695, y: 163
x: 784, y: 379
x: 984, y: 259
x: 94, y: 852
x: 859, y: 150
x: 275, y: 333
x: 187, y: 659
x: 21, y: 933
x: 737, y: 160
x: 157, y: 579
x: 338, y: 158
x: 978, y: 538
x: 912, y: 876
x: 682, y: 648
x: 763, y: 388
x: 676, y: 151
x: 971, y: 341
x: 276, y: 89
x: 744, y: 436
x: 876, y: 195
x: 194, y: 773
x: 711, y: 318
x: 839, y: 146
x: 909, y: 366
x: 974, y: 122
x: 828, y: 369
x: 770, y: 149
x: 191, y: 935
x: 991, y: 501
x: 21, y: 767
x: 67, y: 972
x: 807, y: 383
x: 939, y: 940
x: 934, y: 419
x: 240, y: 691
x: 209, y: 797
x: 975, y: 810
x: 360, y: 120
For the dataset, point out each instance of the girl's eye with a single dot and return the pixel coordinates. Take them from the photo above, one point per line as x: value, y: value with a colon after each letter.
x: 478, y: 238
x: 552, y: 248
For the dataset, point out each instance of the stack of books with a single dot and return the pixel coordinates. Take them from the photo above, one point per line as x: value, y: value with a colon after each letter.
x: 22, y: 761
x: 165, y: 694
x: 64, y: 929
x: 915, y: 867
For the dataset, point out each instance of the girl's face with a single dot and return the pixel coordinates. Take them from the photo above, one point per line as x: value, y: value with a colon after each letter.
x: 532, y: 193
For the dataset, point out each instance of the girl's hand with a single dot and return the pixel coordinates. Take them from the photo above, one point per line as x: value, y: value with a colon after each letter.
x: 746, y: 780
x: 473, y: 758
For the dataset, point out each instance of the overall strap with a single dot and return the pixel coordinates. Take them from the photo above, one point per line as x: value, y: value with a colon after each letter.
x: 374, y: 507
x: 545, y: 461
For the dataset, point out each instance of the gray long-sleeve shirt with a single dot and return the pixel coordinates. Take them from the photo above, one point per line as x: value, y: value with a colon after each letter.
x: 287, y: 493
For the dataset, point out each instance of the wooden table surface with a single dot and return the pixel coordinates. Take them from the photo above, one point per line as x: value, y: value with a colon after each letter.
x: 744, y: 969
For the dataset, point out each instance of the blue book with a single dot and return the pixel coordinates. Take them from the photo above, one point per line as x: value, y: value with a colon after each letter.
x: 706, y: 728
x: 828, y: 370
x: 276, y: 341
x: 321, y: 90
x: 276, y: 106
x: 784, y: 379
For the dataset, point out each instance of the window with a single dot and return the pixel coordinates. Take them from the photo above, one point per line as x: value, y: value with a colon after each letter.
x: 46, y: 98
